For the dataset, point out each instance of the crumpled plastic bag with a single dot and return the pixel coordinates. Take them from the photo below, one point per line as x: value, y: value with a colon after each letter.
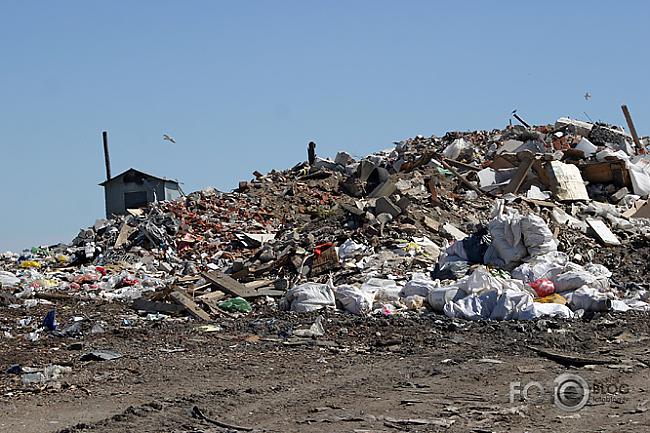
x: 7, y: 279
x: 456, y: 148
x: 576, y: 278
x: 589, y: 299
x: 505, y: 229
x: 548, y: 265
x: 353, y: 299
x: 236, y: 304
x: 538, y: 238
x: 492, y: 305
x: 552, y: 310
x: 439, y: 297
x: 308, y: 297
x: 419, y: 285
x: 450, y: 270
x: 350, y: 248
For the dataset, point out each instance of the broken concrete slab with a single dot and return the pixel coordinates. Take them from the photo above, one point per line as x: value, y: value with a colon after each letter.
x: 386, y: 205
x: 454, y: 232
x: 384, y: 189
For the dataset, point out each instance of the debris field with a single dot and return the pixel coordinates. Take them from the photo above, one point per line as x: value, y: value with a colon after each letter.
x: 403, y: 291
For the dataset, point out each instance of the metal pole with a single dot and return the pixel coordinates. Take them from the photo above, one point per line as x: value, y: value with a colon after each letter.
x: 107, y: 159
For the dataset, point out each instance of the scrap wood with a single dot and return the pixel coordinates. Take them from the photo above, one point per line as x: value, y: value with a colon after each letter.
x: 462, y: 165
x: 465, y: 182
x: 570, y: 360
x: 214, y: 308
x: 424, y: 159
x: 526, y: 159
x: 156, y: 306
x: 196, y: 412
x: 233, y: 287
x: 191, y: 306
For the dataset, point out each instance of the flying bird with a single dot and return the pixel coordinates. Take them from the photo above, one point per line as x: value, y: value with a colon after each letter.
x: 168, y: 138
x: 587, y: 96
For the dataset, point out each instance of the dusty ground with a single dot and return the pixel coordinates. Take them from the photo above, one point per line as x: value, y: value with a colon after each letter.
x: 426, y: 373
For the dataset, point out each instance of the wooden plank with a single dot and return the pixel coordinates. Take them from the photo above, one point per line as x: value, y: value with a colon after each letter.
x: 232, y: 287
x: 630, y: 124
x: 254, y: 285
x: 190, y: 305
x: 216, y: 296
x: 124, y: 234
x: 225, y: 283
x: 464, y: 181
x: 156, y: 307
x: 462, y: 165
x: 603, y: 232
x: 526, y: 159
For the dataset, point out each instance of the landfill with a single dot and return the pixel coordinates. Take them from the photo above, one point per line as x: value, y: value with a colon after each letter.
x: 524, y: 224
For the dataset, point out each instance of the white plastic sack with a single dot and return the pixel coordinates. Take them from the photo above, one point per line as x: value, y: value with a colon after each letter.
x: 538, y: 238
x: 507, y: 238
x: 573, y: 279
x: 353, y: 299
x: 588, y: 299
x: 454, y: 150
x: 7, y: 279
x: 308, y: 297
x: 440, y: 296
x: 548, y: 265
x: 541, y: 309
x: 508, y: 305
x: 420, y: 285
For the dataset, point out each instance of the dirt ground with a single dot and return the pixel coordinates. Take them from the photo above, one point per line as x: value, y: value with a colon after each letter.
x: 413, y: 373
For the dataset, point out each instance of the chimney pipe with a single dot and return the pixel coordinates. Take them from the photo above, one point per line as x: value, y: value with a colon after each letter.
x: 107, y: 159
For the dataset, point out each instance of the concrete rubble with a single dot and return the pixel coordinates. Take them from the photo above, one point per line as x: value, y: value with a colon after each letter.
x: 469, y: 225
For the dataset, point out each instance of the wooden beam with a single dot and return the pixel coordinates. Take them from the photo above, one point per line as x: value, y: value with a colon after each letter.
x: 190, y: 305
x: 630, y: 124
x: 526, y: 159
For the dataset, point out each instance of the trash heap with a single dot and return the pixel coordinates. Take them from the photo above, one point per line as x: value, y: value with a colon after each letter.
x: 511, y: 224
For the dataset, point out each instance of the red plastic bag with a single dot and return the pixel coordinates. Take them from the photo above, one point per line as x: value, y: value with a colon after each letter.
x: 543, y: 287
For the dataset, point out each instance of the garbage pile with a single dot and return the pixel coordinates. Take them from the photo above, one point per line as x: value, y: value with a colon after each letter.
x: 486, y: 225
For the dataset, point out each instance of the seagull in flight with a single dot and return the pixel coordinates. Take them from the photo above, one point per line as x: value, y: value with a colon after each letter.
x: 168, y: 138
x: 587, y: 96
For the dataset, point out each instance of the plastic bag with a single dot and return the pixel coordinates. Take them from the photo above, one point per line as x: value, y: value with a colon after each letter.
x: 456, y: 148
x: 505, y: 230
x: 538, y: 238
x: 589, y: 299
x: 543, y: 287
x: 545, y: 266
x: 308, y: 297
x: 440, y: 296
x: 237, y: 304
x: 450, y: 270
x: 354, y: 300
x: 420, y: 285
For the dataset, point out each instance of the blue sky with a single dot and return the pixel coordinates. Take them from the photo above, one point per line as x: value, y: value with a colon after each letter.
x: 244, y: 85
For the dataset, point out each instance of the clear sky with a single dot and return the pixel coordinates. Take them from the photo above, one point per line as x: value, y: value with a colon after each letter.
x: 244, y: 85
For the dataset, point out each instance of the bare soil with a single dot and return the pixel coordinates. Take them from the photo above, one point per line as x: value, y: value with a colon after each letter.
x: 415, y: 373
